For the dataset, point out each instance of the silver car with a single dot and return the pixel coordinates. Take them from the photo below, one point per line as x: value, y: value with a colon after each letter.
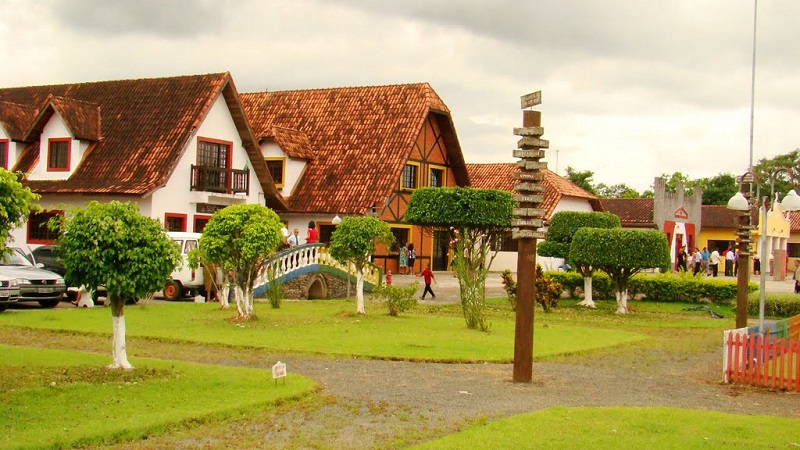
x: 35, y: 284
x: 9, y: 291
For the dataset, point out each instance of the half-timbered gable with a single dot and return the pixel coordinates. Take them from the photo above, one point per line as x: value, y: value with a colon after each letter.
x: 358, y: 151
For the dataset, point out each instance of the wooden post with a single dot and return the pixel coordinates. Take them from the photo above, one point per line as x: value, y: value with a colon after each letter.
x: 527, y: 218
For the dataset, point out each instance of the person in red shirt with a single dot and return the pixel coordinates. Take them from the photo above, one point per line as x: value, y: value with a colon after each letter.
x: 428, y: 276
x: 311, y: 235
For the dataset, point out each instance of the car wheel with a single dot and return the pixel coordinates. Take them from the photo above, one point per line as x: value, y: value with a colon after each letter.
x: 173, y: 290
x: 3, y: 307
x: 50, y: 303
x: 132, y: 301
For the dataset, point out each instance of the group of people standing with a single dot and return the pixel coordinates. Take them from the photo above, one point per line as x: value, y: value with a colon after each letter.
x: 708, y: 262
x: 293, y: 239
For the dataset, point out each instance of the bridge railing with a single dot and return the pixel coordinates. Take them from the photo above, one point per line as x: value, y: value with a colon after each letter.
x: 307, y: 255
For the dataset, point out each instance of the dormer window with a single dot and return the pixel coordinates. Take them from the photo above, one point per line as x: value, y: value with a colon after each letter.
x: 4, y: 163
x: 277, y: 167
x: 58, y: 155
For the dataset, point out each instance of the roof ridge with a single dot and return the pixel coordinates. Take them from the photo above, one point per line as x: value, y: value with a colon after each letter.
x: 118, y: 81
x: 421, y: 84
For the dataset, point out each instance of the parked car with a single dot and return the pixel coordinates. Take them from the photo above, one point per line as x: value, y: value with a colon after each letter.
x: 35, y: 284
x: 185, y: 280
x: 9, y: 291
x: 48, y: 257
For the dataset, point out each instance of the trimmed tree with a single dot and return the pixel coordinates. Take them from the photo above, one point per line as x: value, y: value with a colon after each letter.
x: 16, y: 204
x: 475, y: 217
x: 353, y: 241
x: 563, y: 226
x: 113, y: 245
x: 621, y: 253
x: 242, y: 238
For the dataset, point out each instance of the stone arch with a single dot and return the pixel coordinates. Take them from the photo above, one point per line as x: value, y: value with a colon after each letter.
x: 317, y: 288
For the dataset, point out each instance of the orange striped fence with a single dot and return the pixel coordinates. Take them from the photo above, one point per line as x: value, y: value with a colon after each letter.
x: 761, y: 360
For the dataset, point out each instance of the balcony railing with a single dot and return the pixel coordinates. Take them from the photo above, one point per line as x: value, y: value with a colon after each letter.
x: 218, y: 179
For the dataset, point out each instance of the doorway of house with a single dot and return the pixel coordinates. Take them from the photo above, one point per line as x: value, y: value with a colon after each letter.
x: 441, y: 247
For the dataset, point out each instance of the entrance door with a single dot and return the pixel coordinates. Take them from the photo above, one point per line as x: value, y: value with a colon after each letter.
x: 441, y: 245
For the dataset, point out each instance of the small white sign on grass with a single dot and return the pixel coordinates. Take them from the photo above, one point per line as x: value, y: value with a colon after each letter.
x: 279, y: 371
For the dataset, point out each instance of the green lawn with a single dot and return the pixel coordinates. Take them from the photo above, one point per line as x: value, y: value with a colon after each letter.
x: 626, y: 428
x: 57, y: 399
x: 332, y: 328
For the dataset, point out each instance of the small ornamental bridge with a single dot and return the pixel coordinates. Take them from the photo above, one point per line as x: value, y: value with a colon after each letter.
x: 309, y: 271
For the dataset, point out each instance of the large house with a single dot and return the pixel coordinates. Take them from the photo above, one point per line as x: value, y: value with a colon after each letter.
x: 560, y: 195
x: 180, y: 148
x: 358, y: 151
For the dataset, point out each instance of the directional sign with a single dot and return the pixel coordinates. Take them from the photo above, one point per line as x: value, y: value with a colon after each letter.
x: 532, y: 99
x: 531, y: 165
x: 529, y: 131
x: 528, y: 176
x: 528, y: 234
x: 530, y: 187
x: 528, y: 153
x: 530, y: 223
x: 529, y: 212
x: 528, y: 198
x: 533, y: 142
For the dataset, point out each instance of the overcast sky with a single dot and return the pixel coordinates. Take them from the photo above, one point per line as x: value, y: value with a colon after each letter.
x: 630, y: 89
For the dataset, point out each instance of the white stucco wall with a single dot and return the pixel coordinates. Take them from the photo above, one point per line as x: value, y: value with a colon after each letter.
x: 176, y: 198
x: 56, y: 129
x: 66, y: 202
x: 293, y: 168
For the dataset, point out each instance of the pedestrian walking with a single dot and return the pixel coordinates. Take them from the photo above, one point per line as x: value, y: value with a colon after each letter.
x: 428, y: 276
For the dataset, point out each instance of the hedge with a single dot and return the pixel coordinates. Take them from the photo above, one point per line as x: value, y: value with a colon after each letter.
x: 663, y: 287
x: 775, y: 305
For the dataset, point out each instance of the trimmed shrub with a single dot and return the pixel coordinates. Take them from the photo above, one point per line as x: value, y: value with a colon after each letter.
x: 775, y: 305
x: 548, y: 291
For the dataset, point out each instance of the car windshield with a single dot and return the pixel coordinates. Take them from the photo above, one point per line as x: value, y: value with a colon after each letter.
x: 15, y: 259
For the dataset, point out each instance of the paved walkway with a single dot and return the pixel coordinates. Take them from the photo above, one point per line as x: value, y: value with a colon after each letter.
x: 446, y: 285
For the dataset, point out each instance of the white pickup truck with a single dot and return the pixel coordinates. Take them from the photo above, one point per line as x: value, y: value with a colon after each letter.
x: 185, y: 281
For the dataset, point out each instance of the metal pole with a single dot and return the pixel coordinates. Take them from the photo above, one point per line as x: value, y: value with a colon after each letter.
x: 753, y: 83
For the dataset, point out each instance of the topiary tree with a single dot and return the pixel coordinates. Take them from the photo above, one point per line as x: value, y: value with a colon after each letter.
x: 621, y: 253
x: 16, y: 204
x: 475, y: 216
x: 563, y: 226
x: 242, y: 238
x: 113, y: 245
x: 353, y: 241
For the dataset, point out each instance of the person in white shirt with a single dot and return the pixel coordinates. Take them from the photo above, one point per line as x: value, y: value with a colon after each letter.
x: 713, y: 263
x: 294, y: 239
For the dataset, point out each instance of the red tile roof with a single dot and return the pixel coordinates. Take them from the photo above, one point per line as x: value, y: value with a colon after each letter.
x: 794, y: 221
x: 295, y: 144
x: 361, y: 138
x: 501, y: 176
x: 141, y: 128
x: 718, y: 216
x: 16, y: 119
x: 632, y: 212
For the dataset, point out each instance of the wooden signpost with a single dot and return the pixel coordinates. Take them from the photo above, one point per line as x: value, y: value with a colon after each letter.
x: 526, y: 223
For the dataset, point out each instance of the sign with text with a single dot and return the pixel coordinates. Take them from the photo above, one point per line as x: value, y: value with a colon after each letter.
x: 532, y: 99
x: 279, y: 371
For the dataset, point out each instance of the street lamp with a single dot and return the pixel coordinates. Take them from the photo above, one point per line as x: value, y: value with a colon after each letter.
x: 739, y: 202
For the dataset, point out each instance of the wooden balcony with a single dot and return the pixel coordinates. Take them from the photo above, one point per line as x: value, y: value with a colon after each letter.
x: 217, y: 179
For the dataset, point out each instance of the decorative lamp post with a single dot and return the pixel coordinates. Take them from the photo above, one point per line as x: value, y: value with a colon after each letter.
x: 740, y: 202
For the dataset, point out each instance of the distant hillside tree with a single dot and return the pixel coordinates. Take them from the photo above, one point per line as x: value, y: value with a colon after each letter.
x: 582, y: 179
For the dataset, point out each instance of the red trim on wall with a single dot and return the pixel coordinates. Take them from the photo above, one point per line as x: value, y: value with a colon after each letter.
x: 53, y: 212
x: 183, y: 217
x: 69, y: 154
x: 4, y: 151
x: 194, y: 221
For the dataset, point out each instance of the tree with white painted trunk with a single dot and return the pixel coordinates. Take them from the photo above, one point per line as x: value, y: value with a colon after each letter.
x: 353, y: 241
x: 113, y: 245
x: 563, y: 226
x: 242, y: 239
x: 621, y: 253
